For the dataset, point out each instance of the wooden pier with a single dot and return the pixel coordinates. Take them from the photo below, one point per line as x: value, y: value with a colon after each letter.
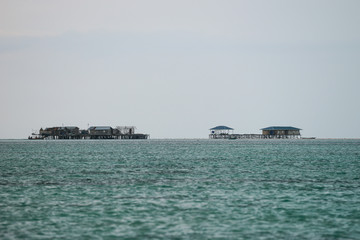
x: 251, y: 136
x: 274, y: 132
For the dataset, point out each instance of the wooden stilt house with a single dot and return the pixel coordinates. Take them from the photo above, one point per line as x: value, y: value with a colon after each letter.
x: 281, y: 132
x: 220, y: 132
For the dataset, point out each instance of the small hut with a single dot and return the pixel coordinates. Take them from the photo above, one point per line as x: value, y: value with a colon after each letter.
x: 220, y: 132
x: 126, y: 130
x: 281, y: 132
x: 100, y: 132
x: 69, y: 132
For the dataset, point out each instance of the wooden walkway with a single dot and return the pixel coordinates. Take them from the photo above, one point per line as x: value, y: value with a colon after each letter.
x: 252, y: 136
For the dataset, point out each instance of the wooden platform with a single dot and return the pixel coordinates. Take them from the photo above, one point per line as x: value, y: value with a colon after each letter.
x: 88, y: 136
x: 252, y: 136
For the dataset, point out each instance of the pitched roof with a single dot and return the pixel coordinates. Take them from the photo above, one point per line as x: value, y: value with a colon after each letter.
x: 68, y: 127
x: 280, y: 128
x: 100, y: 128
x: 221, y: 128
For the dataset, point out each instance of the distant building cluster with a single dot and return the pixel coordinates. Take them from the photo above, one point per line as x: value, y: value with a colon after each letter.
x: 128, y: 132
x: 274, y: 132
x: 93, y: 132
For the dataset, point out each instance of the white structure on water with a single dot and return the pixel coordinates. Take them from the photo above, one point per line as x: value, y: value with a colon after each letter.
x: 220, y: 132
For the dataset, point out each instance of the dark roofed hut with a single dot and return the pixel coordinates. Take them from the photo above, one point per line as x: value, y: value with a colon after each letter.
x: 281, y: 132
x: 68, y: 132
x: 100, y: 132
x: 220, y: 132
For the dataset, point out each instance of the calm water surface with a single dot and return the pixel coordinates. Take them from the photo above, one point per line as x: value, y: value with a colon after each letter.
x: 180, y: 189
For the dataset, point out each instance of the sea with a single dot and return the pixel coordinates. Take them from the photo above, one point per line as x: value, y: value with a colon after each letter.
x: 180, y: 189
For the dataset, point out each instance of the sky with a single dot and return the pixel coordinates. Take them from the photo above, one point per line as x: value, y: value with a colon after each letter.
x: 175, y: 69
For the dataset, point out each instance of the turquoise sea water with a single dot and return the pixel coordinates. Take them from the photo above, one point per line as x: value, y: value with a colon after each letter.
x: 180, y: 189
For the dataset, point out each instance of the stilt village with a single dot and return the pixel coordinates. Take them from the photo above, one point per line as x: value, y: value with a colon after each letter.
x: 93, y: 132
x: 128, y: 132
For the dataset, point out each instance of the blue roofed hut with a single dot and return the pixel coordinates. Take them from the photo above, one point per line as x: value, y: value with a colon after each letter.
x: 281, y: 132
x: 220, y: 132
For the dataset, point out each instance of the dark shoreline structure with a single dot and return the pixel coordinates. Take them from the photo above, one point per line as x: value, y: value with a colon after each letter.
x: 273, y: 132
x: 93, y: 132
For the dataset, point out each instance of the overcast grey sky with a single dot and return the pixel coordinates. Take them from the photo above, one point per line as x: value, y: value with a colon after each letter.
x: 175, y: 69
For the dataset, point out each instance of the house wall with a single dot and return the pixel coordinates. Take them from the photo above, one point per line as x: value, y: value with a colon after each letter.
x: 294, y: 132
x: 104, y: 132
x: 281, y: 132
